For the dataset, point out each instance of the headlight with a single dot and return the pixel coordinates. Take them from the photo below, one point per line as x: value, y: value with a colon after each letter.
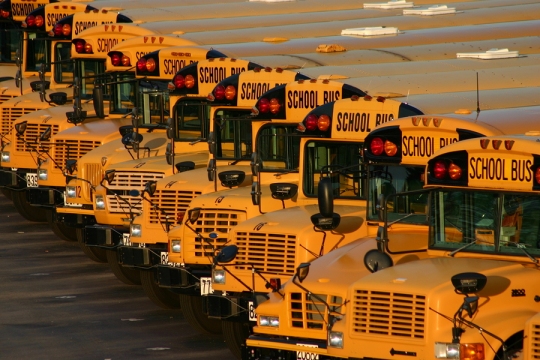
x: 5, y: 156
x: 218, y: 277
x: 135, y: 230
x: 272, y: 321
x: 459, y: 351
x: 335, y: 339
x: 71, y: 192
x: 100, y: 203
x: 175, y: 246
x: 42, y: 174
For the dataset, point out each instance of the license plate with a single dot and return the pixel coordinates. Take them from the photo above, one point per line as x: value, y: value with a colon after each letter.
x: 305, y: 355
x: 206, y: 286
x: 70, y: 204
x: 252, y: 313
x: 126, y: 239
x: 31, y: 180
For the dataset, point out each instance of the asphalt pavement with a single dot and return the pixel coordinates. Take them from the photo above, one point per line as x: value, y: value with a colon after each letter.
x: 58, y: 304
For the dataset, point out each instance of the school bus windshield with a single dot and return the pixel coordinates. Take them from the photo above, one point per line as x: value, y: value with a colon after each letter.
x: 492, y: 222
x: 10, y: 40
x: 278, y: 147
x: 89, y: 72
x: 341, y: 161
x: 387, y: 181
x: 122, y: 92
x: 38, y: 51
x: 233, y: 134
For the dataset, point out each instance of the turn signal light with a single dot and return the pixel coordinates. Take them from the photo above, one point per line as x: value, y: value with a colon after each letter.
x: 390, y: 148
x: 150, y: 65
x: 190, y: 81
x: 230, y: 92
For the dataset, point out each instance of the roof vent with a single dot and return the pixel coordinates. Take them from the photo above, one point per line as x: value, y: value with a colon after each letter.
x: 432, y: 10
x: 371, y: 31
x: 392, y: 4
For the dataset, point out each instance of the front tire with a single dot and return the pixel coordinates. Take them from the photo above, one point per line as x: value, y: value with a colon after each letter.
x: 193, y: 312
x: 126, y: 275
x: 235, y: 335
x: 27, y: 211
x: 162, y: 297
x: 93, y: 252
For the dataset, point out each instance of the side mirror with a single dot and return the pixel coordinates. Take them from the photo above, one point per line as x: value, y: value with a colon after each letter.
x: 326, y: 197
x: 468, y: 282
x: 302, y: 271
x: 97, y: 96
x: 212, y: 143
x: 375, y: 260
x: 255, y: 162
x: 125, y: 129
x: 380, y: 206
x: 58, y: 98
x: 46, y: 134
x: 20, y: 128
x: 71, y: 166
x: 150, y: 187
x: 255, y: 196
x: 108, y: 177
x: 184, y: 166
x: 135, y: 117
x: 231, y: 178
x: 283, y: 191
x: 169, y: 154
x: 170, y: 128
x: 193, y: 215
x: 226, y: 254
x: 211, y: 169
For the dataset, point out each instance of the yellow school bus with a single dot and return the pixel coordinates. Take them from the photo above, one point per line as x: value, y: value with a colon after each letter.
x: 85, y: 132
x: 271, y: 190
x: 234, y: 136
x: 417, y: 139
x: 473, y: 297
x: 271, y: 243
x: 23, y: 124
x: 109, y: 216
x: 12, y: 14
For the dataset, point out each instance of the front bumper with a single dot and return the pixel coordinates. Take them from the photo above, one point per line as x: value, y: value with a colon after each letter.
x: 184, y: 280
x: 104, y: 236
x: 266, y: 348
x: 48, y: 197
x: 233, y: 307
x: 75, y: 217
x: 141, y: 256
x: 14, y: 178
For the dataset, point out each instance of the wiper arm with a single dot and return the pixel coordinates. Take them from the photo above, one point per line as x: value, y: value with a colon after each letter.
x: 473, y: 242
x: 522, y: 247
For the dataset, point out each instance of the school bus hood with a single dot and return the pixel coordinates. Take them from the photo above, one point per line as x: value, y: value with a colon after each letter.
x: 335, y: 271
x: 103, y: 130
x: 434, y: 274
x: 196, y: 180
x: 296, y: 220
x: 159, y: 163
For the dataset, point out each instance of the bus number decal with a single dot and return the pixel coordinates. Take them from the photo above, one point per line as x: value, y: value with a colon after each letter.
x: 495, y: 169
x: 252, y: 313
x: 310, y: 99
